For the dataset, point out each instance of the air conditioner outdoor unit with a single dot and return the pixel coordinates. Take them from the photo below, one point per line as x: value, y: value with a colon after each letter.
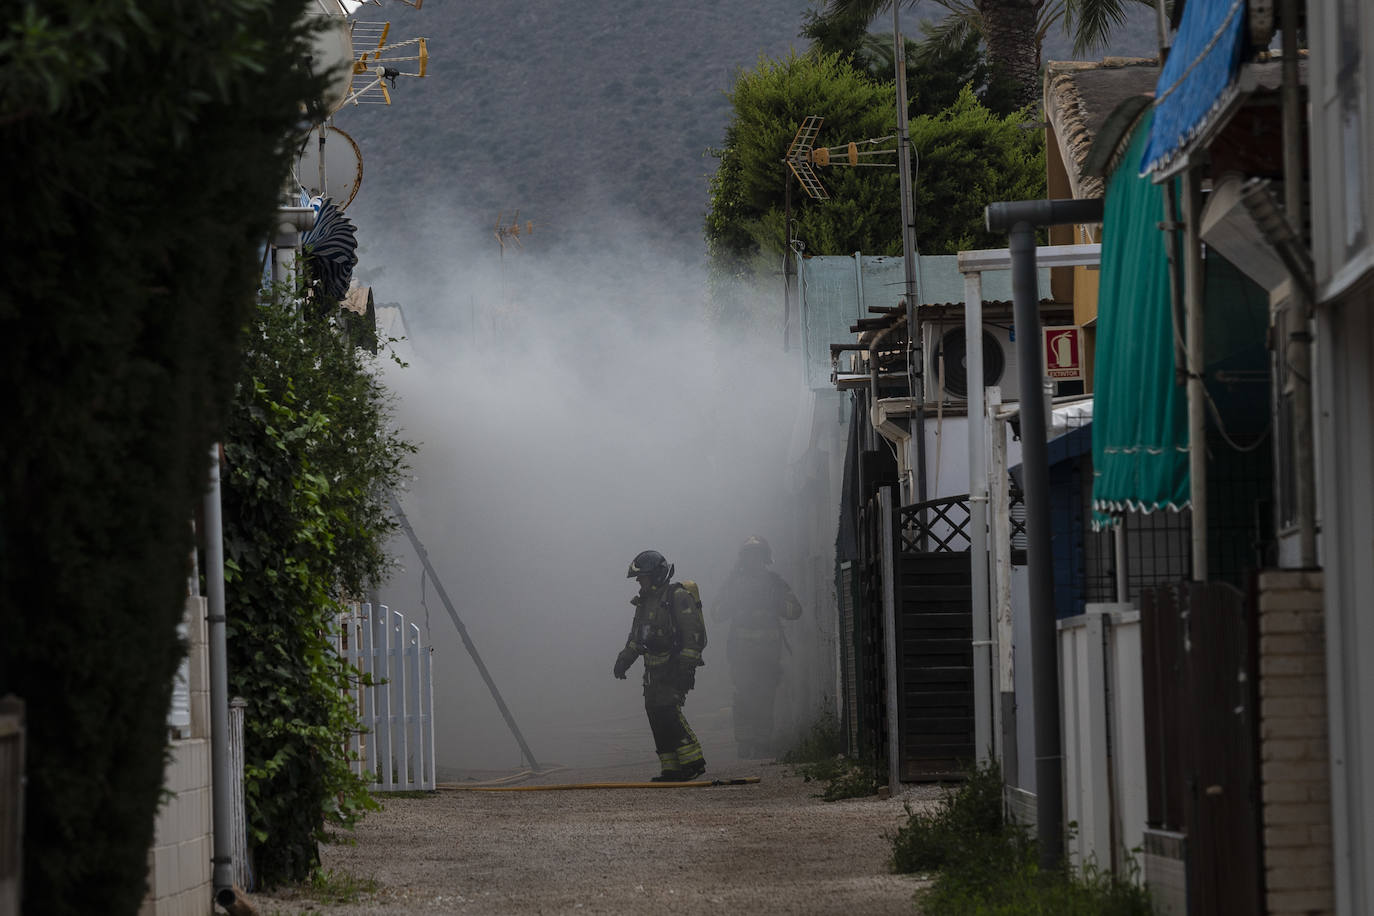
x: 944, y: 342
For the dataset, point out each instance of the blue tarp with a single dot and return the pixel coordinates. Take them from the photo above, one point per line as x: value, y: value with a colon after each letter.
x: 1198, y: 79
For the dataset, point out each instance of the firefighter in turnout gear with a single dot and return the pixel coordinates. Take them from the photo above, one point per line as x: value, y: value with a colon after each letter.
x: 669, y: 631
x: 755, y: 601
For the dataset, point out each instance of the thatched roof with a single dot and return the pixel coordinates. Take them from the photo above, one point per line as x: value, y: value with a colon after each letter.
x: 1079, y: 98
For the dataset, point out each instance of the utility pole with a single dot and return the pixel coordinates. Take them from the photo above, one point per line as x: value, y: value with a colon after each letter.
x: 914, y: 365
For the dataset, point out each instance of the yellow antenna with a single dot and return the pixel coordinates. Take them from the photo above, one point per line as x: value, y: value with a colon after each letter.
x: 850, y: 154
x: 512, y: 232
x: 803, y: 154
x: 798, y: 157
x: 376, y: 69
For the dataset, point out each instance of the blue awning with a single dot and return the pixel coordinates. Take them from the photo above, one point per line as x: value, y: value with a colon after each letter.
x: 1198, y: 78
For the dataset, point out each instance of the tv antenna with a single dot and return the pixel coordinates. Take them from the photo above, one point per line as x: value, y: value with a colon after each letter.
x: 512, y: 232
x: 803, y: 154
x: 376, y: 69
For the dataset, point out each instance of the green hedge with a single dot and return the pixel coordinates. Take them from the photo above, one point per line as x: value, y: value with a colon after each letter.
x: 143, y: 144
x: 310, y: 460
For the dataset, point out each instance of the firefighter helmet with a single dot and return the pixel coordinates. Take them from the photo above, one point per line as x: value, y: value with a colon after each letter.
x: 653, y: 564
x: 757, y: 550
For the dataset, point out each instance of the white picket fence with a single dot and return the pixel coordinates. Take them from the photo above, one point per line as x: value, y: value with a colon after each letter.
x: 396, y: 746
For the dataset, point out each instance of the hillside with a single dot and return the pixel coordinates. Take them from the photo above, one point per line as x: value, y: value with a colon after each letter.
x: 589, y: 118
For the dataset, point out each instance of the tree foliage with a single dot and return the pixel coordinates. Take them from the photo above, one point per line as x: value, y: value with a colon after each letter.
x: 143, y: 144
x: 1013, y: 31
x: 966, y: 157
x: 311, y: 458
x: 745, y: 222
x: 949, y: 56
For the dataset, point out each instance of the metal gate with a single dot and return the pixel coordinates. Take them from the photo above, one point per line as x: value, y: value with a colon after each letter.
x: 394, y: 696
x: 935, y: 639
x: 1202, y: 738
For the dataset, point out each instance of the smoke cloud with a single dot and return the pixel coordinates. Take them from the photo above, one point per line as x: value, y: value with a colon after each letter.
x: 574, y: 404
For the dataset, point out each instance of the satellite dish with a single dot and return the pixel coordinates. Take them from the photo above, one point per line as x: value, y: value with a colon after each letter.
x: 331, y: 52
x: 330, y: 165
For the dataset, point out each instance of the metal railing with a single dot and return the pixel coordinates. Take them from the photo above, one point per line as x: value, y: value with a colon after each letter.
x: 395, y: 697
x: 941, y: 525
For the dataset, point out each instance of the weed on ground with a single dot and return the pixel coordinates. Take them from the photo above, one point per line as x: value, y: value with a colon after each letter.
x: 986, y: 865
x: 326, y: 887
x: 818, y: 757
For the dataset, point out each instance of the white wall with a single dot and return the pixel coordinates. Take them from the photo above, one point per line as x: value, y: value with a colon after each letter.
x: 1101, y: 689
x: 947, y: 455
x: 1346, y: 431
x: 1342, y: 142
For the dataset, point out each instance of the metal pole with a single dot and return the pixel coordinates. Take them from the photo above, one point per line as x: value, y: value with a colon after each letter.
x: 1020, y: 219
x: 1119, y: 549
x: 1298, y: 348
x: 978, y: 516
x: 1162, y: 30
x: 1170, y: 229
x: 1004, y: 698
x: 891, y: 687
x: 786, y: 258
x: 463, y: 632
x: 1197, y: 404
x: 221, y: 797
x: 1049, y: 789
x: 910, y: 266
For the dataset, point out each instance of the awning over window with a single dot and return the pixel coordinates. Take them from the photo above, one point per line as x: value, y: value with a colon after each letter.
x: 1140, y: 415
x: 1198, y: 78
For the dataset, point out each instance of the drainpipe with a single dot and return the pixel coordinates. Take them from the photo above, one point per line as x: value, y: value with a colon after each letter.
x: 978, y: 517
x: 221, y: 798
x: 1020, y: 219
x: 1299, y: 343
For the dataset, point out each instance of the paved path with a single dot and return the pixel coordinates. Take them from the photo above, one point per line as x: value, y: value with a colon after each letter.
x: 769, y: 847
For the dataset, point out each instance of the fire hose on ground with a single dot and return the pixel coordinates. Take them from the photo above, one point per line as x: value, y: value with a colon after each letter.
x: 691, y: 784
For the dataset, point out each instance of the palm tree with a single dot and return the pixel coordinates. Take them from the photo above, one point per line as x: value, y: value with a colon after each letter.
x: 1013, y: 30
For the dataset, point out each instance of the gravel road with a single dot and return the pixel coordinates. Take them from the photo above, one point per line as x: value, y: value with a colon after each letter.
x: 767, y: 847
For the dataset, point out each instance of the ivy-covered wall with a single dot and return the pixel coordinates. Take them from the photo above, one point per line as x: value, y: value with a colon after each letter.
x: 143, y: 145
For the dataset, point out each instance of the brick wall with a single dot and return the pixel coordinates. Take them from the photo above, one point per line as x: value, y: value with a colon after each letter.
x: 1294, y: 759
x: 179, y: 875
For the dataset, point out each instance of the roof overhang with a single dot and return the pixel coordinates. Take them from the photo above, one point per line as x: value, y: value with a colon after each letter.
x: 1045, y: 256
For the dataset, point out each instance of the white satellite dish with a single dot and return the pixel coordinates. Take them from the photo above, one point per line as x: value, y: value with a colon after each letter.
x: 331, y: 52
x: 330, y: 165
